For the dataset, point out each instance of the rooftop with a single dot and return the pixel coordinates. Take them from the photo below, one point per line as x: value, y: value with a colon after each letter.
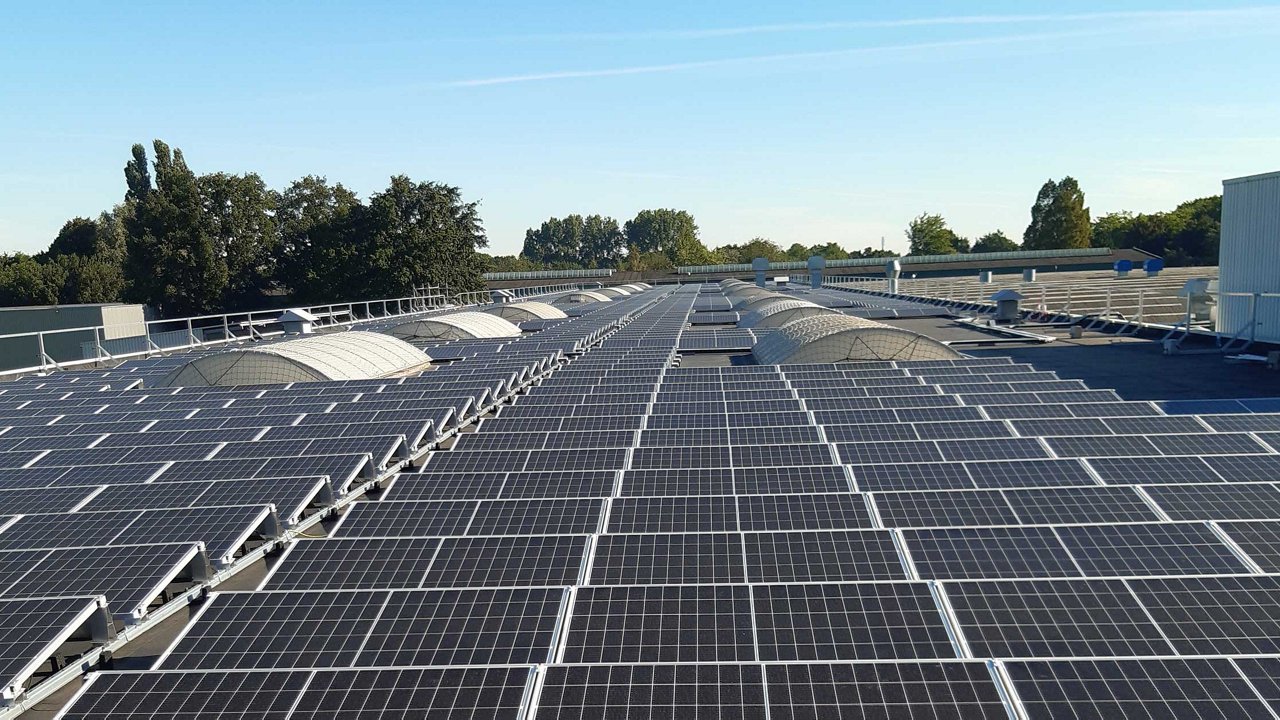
x: 620, y: 513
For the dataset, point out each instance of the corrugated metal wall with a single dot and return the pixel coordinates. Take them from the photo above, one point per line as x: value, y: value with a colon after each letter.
x: 1249, y: 256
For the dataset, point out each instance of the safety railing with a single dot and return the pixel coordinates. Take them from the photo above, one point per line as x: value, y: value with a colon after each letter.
x: 158, y: 337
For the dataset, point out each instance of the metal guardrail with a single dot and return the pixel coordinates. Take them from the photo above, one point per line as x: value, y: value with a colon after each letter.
x: 1124, y: 310
x: 203, y: 331
x: 905, y: 260
x: 549, y: 274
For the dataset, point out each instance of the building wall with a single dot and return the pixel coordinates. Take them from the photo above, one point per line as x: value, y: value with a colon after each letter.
x: 1249, y: 254
x: 63, y: 346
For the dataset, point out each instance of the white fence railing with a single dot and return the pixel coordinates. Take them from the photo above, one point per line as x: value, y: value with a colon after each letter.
x: 102, y: 343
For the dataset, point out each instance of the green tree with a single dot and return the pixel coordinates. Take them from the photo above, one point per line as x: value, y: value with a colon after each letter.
x: 929, y: 235
x: 1059, y: 218
x: 672, y: 232
x: 750, y: 250
x: 1111, y: 230
x: 317, y: 226
x: 602, y: 242
x: 23, y: 281
x: 241, y: 213
x: 557, y: 240
x: 85, y: 279
x: 995, y: 241
x: 646, y: 261
x: 78, y: 236
x: 830, y: 251
x: 415, y: 234
x: 172, y: 261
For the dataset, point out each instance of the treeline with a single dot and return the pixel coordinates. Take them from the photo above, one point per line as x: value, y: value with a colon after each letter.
x: 653, y: 240
x: 1186, y: 235
x: 189, y: 244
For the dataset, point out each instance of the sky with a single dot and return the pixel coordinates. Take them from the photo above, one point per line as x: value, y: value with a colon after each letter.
x: 809, y: 121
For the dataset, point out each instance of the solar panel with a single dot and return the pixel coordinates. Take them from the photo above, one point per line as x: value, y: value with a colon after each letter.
x: 660, y: 624
x: 656, y: 692
x: 1155, y: 688
x: 463, y: 627
x: 129, y: 576
x: 1080, y: 505
x: 823, y: 556
x: 389, y: 518
x: 348, y: 564
x: 32, y: 630
x: 1214, y: 615
x: 1220, y: 501
x: 673, y: 514
x: 939, y: 509
x: 1154, y: 549
x: 139, y: 696
x: 536, y: 517
x: 508, y: 562
x: 854, y: 621
x: 702, y: 481
x: 883, y: 690
x: 1053, y: 618
x: 698, y: 558
x: 913, y: 476
x: 979, y: 553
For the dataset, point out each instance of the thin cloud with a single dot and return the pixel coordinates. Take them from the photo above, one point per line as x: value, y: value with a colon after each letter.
x: 778, y: 57
x: 1254, y: 12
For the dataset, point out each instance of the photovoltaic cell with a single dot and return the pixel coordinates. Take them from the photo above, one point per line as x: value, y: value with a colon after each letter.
x: 660, y: 624
x: 851, y: 621
x: 1053, y: 618
x: 652, y: 692
x: 1156, y: 688
x: 883, y: 690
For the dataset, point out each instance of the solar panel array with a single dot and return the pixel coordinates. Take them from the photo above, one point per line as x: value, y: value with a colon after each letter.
x: 634, y: 538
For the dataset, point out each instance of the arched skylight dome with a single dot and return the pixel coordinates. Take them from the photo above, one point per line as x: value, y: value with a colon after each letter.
x: 635, y: 287
x: 780, y: 311
x: 759, y: 300
x: 455, y: 326
x: 614, y: 291
x: 836, y: 338
x: 577, y: 298
x: 336, y: 356
x: 524, y: 311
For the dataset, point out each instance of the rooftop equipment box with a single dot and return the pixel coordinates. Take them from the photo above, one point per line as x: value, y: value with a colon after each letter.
x: 1249, y: 257
x: 117, y: 320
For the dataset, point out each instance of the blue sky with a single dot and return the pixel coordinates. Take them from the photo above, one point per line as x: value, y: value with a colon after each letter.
x: 808, y: 121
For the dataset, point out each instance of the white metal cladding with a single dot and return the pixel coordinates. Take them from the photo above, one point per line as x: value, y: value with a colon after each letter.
x: 576, y: 298
x: 1249, y: 256
x: 353, y: 355
x: 835, y: 338
x: 780, y: 312
x: 615, y: 291
x: 529, y: 310
x: 455, y: 326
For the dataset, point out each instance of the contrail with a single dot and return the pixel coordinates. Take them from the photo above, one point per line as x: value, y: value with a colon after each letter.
x: 706, y: 33
x: 849, y: 52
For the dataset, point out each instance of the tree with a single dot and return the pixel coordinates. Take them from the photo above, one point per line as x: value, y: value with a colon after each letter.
x: 172, y: 259
x: 602, y: 242
x: 1186, y: 235
x: 85, y: 279
x: 672, y: 232
x: 1059, y: 218
x: 592, y: 241
x: 78, y: 236
x: 415, y: 234
x: 929, y: 235
x: 317, y: 226
x: 959, y: 244
x: 750, y: 250
x: 241, y: 213
x: 830, y: 251
x: 23, y: 281
x: 641, y: 261
x: 995, y: 241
